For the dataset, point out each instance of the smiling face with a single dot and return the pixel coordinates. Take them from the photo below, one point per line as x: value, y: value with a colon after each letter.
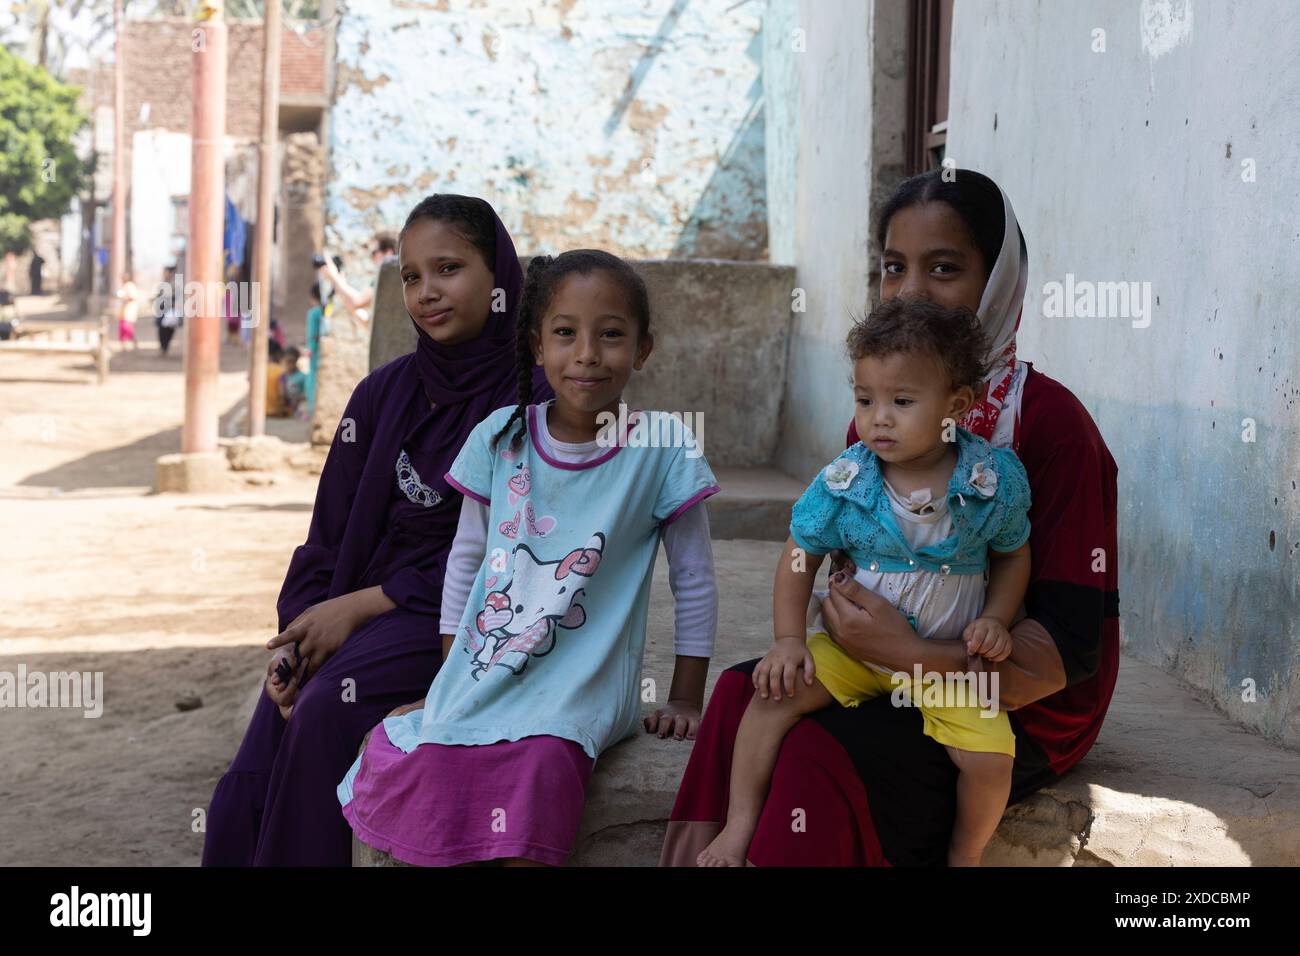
x: 588, y: 342
x: 446, y: 285
x: 929, y: 253
x: 901, y: 402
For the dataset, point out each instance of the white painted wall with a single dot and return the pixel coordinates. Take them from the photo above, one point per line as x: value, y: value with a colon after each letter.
x: 1128, y: 164
x: 160, y: 169
x: 848, y: 125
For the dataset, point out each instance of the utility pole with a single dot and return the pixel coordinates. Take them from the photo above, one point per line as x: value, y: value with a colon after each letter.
x: 267, y: 181
x: 117, y: 251
x: 207, y: 210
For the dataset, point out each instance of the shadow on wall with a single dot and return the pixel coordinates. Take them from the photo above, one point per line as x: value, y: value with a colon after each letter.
x: 729, y: 220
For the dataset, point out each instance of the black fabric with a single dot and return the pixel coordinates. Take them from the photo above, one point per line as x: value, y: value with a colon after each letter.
x: 1072, y: 614
x: 910, y: 780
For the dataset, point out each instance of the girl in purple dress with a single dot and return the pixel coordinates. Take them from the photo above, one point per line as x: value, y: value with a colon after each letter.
x: 358, y: 612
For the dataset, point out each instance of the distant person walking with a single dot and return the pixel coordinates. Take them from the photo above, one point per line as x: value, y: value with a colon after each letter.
x: 166, y: 311
x: 34, y: 272
x: 317, y: 326
x: 128, y: 311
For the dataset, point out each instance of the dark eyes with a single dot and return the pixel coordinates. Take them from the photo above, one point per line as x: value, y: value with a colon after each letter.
x: 566, y: 331
x: 943, y: 268
x: 448, y: 269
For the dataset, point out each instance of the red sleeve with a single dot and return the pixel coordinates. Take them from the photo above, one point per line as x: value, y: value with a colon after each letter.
x: 1073, y: 587
x: 1072, y: 515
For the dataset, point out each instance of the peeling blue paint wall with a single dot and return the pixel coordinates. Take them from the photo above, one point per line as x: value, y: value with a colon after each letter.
x: 630, y: 125
x: 1134, y: 164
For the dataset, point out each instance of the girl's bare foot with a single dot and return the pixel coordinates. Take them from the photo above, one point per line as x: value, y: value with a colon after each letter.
x: 727, y: 849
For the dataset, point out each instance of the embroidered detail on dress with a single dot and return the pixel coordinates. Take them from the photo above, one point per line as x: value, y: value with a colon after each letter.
x: 984, y: 480
x: 408, y: 480
x: 840, y: 474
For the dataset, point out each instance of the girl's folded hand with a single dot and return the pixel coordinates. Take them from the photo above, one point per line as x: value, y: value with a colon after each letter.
x: 283, y: 675
x: 320, y: 630
x: 678, y: 718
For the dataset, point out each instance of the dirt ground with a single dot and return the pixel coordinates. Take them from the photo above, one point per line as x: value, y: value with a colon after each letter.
x: 169, y: 596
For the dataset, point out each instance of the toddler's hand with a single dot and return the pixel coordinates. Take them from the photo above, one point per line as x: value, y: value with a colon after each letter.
x: 777, y: 670
x: 840, y: 561
x: 987, y: 638
x: 677, y: 718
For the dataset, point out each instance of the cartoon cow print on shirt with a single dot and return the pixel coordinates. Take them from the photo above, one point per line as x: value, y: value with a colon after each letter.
x: 522, y: 619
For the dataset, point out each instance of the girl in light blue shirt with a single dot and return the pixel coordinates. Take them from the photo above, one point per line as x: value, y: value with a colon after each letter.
x: 546, y: 593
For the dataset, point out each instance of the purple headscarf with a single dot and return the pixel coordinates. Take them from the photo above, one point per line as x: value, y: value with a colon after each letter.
x: 359, y: 535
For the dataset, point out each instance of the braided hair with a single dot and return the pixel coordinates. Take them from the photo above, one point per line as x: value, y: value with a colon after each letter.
x: 545, y: 273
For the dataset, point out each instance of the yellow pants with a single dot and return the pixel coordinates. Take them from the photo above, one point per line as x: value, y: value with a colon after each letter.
x: 962, y: 726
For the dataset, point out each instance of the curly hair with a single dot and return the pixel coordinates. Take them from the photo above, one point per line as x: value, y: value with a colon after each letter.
x: 917, y: 326
x: 545, y: 273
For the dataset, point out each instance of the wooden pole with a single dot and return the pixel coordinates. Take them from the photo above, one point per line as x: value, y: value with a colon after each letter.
x: 117, y: 251
x: 267, y: 182
x: 203, y: 256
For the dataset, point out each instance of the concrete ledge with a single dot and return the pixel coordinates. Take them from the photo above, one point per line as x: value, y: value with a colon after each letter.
x: 193, y: 473
x: 754, y: 503
x: 1170, y: 781
x: 260, y: 453
x: 721, y: 330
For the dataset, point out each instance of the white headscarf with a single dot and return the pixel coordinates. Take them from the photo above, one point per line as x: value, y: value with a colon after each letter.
x: 995, y: 415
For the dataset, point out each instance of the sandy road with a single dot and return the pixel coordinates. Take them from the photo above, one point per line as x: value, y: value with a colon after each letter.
x: 166, y: 595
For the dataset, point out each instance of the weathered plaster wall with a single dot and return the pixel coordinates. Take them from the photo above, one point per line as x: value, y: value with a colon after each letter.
x: 721, y: 333
x: 630, y: 125
x: 1133, y: 164
x: 848, y: 143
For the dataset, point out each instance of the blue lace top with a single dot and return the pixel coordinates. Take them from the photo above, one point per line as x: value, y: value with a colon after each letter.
x: 846, y: 507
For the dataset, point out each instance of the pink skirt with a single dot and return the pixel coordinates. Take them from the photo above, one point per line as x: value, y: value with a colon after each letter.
x: 125, y: 331
x: 447, y: 804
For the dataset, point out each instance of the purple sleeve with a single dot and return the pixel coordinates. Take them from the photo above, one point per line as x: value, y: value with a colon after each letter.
x: 312, y: 567
x: 414, y: 590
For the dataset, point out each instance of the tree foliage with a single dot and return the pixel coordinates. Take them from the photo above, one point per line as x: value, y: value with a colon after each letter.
x: 39, y: 169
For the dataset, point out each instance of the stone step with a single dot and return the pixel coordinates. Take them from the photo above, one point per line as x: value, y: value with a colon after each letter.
x: 754, y: 504
x: 1169, y: 782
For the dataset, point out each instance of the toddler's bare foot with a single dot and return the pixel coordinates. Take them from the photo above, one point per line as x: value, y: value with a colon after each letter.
x: 727, y: 849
